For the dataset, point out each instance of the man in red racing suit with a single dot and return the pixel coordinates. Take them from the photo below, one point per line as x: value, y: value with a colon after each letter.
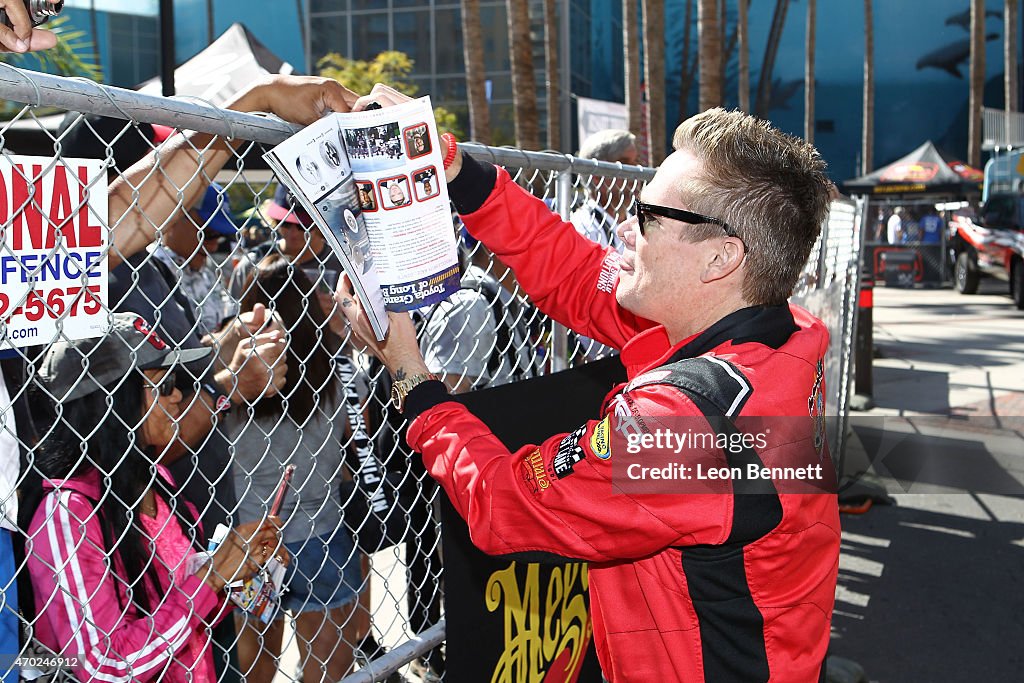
x: 727, y: 586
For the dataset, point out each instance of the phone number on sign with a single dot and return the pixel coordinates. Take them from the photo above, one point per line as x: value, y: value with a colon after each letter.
x: 54, y: 303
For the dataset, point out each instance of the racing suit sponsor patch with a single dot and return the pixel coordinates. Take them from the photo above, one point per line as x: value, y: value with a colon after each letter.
x: 535, y: 472
x: 569, y: 453
x: 627, y: 416
x: 609, y: 273
x: 600, y: 440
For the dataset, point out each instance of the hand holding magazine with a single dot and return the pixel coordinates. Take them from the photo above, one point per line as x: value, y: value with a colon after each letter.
x: 373, y: 182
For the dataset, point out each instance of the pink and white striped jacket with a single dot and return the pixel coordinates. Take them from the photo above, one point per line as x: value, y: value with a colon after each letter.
x: 80, y: 591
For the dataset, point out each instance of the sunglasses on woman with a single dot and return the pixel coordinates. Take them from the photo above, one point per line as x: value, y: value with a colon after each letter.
x: 644, y: 212
x: 165, y: 387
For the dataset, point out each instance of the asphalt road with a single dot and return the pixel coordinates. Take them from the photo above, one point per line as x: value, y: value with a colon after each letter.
x: 932, y: 588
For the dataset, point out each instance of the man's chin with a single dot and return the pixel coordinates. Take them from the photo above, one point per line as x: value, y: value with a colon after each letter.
x: 624, y: 297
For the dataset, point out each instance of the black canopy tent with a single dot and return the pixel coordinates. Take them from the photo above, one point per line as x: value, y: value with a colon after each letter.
x: 912, y: 186
x: 925, y: 171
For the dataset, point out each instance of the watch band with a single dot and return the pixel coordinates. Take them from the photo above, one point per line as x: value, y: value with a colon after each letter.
x: 221, y: 402
x: 401, y: 388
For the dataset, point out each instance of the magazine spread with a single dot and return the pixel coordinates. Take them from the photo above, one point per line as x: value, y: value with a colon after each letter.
x: 373, y: 182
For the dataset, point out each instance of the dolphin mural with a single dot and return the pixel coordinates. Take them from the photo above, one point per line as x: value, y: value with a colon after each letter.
x: 950, y: 57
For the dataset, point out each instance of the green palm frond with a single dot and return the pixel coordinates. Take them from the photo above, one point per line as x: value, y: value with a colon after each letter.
x: 72, y: 56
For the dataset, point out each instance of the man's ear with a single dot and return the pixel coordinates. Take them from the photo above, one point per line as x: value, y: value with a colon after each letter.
x: 722, y: 258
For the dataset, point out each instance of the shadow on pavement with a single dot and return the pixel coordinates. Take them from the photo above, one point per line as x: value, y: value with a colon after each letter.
x: 922, y: 391
x: 916, y: 462
x: 925, y: 596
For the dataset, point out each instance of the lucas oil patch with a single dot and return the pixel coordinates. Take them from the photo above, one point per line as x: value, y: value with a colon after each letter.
x: 569, y: 453
x: 600, y: 440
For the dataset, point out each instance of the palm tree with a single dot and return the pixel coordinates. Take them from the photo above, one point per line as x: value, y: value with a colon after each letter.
x: 867, y: 146
x: 476, y: 84
x: 687, y: 68
x: 551, y: 74
x: 631, y: 65
x: 744, y: 57
x: 1010, y: 59
x: 524, y: 85
x: 709, y: 39
x: 977, y: 82
x: 654, y: 77
x: 771, y: 49
x: 809, y: 72
x: 723, y: 24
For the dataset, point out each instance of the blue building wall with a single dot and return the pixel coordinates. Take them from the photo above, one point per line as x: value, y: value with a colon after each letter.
x: 917, y: 95
x: 275, y: 24
x: 129, y: 38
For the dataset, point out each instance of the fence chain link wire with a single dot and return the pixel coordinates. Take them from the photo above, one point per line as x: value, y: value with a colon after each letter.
x: 199, y: 288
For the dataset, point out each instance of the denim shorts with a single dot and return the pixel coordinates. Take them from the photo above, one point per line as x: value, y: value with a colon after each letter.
x: 325, y: 572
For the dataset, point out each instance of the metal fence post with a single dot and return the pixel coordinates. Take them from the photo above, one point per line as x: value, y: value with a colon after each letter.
x: 559, y: 333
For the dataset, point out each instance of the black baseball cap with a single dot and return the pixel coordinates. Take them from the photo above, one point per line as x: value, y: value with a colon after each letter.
x: 73, y: 369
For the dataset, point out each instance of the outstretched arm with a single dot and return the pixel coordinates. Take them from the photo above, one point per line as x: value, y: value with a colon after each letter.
x: 148, y: 193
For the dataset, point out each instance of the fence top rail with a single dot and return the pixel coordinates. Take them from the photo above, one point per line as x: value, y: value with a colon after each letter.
x: 79, y: 94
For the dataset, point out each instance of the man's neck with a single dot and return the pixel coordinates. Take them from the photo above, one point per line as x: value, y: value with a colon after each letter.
x: 701, y: 318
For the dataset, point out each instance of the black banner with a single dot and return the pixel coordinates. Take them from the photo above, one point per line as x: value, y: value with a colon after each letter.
x: 518, y: 622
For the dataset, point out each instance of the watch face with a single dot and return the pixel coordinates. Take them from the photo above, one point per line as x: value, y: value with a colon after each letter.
x: 396, y: 396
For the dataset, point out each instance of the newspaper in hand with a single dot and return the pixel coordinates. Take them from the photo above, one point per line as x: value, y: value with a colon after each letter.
x: 373, y: 182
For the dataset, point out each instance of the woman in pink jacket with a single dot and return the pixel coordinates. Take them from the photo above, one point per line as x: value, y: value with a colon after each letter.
x: 109, y: 546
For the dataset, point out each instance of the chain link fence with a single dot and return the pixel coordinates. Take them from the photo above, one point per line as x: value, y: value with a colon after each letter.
x: 151, y: 466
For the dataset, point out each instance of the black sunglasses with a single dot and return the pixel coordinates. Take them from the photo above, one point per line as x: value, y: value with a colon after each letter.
x: 167, y: 384
x: 645, y: 211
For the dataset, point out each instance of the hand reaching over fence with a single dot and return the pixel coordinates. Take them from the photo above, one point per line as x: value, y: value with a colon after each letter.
x: 158, y: 185
x: 297, y: 99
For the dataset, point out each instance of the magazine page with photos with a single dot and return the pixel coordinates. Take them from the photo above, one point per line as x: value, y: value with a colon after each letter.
x: 374, y: 183
x: 313, y: 165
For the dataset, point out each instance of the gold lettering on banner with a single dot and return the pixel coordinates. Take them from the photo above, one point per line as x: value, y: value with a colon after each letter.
x: 541, y: 630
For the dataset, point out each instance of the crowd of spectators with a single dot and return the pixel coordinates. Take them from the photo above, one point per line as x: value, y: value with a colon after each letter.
x: 227, y: 361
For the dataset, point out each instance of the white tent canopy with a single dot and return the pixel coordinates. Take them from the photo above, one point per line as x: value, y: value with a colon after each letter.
x: 225, y: 67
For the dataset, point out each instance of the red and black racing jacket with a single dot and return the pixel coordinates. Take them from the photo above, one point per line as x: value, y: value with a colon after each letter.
x: 684, y: 587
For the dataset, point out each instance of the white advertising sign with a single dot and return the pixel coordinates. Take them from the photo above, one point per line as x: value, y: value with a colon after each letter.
x: 53, y: 250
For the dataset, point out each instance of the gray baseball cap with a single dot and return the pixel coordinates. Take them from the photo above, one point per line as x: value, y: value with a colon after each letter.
x: 73, y: 369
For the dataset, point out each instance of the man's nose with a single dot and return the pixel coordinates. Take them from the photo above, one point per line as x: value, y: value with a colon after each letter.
x: 626, y: 230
